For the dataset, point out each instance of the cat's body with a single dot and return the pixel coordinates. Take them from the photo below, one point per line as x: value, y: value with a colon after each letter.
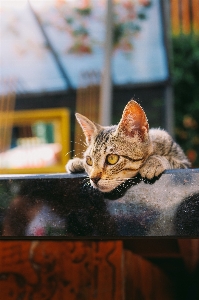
x: 117, y: 153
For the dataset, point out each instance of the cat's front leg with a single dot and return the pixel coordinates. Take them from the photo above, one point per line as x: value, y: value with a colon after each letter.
x: 75, y: 165
x: 154, y: 166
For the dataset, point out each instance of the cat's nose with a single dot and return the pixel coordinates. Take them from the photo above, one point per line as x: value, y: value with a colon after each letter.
x: 95, y: 179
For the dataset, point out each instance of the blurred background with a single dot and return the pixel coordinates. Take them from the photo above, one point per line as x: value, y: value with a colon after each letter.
x: 92, y: 56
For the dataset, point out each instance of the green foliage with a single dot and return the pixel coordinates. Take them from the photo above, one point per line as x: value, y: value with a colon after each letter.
x: 118, y: 32
x: 185, y: 75
x: 84, y: 11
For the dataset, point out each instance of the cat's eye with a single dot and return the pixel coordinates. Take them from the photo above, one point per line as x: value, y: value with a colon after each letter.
x: 112, y: 159
x: 89, y: 160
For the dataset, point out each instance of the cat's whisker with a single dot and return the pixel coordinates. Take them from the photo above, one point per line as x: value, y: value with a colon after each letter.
x: 81, y: 144
x: 83, y: 141
x: 86, y: 181
x: 111, y: 153
x: 69, y: 152
x: 78, y: 154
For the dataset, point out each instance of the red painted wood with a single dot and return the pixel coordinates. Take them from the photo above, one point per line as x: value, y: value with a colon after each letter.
x: 61, y: 270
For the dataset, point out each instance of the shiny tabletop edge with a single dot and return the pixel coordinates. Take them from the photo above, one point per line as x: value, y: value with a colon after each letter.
x: 65, y: 206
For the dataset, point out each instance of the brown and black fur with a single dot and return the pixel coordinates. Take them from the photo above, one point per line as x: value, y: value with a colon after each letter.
x: 138, y: 149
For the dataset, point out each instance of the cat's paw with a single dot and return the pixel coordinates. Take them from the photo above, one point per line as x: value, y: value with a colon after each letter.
x: 154, y: 166
x: 75, y: 165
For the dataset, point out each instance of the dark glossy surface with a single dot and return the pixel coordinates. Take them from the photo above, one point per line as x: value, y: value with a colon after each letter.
x: 62, y: 205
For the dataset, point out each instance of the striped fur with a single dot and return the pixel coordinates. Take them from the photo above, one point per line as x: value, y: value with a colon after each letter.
x: 138, y: 149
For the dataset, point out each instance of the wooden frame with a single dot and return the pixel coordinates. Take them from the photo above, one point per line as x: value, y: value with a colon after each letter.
x: 27, y: 117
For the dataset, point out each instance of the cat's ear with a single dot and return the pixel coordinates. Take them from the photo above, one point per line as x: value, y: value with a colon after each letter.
x: 133, y: 121
x: 89, y: 128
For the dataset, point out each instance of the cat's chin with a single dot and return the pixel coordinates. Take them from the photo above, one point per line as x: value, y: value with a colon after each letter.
x: 103, y: 189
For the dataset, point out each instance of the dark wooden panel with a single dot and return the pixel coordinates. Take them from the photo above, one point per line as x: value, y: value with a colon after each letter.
x: 50, y: 270
x: 145, y: 281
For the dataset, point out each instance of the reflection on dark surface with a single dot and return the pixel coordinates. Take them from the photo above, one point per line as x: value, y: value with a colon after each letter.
x: 65, y: 205
x: 187, y: 216
x: 51, y: 207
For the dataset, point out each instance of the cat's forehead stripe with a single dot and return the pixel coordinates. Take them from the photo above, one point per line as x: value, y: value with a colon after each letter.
x: 102, y: 138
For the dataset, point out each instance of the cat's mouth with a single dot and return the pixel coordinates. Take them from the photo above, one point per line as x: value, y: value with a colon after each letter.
x: 116, y: 190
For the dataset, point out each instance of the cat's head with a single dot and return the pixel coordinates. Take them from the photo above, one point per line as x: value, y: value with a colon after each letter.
x: 116, y: 153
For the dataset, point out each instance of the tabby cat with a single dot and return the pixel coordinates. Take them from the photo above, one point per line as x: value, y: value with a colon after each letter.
x: 117, y: 153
